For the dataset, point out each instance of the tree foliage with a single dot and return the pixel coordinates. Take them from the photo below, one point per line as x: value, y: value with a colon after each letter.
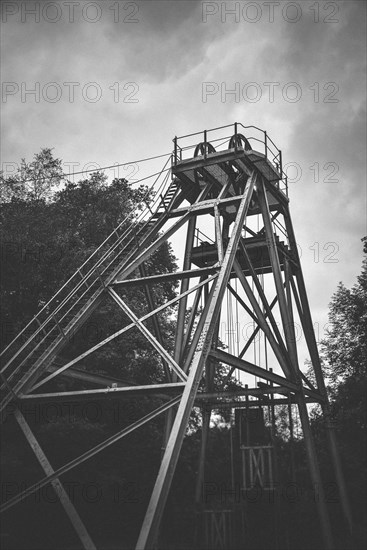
x: 36, y: 180
x: 344, y: 354
x: 344, y: 349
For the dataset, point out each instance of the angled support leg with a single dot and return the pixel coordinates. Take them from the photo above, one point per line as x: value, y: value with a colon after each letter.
x: 158, y: 499
x: 291, y: 345
x: 56, y: 484
x: 306, y: 321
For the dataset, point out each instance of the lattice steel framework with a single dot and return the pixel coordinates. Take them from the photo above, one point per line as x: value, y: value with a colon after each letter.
x: 218, y: 179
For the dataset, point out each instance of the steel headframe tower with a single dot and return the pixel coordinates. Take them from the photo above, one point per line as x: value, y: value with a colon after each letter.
x: 224, y: 180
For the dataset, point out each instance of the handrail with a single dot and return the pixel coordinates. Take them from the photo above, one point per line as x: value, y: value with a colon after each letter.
x: 211, y: 130
x: 78, y: 273
x: 92, y: 286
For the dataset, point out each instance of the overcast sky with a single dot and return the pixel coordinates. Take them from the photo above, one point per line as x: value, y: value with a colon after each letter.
x: 140, y: 73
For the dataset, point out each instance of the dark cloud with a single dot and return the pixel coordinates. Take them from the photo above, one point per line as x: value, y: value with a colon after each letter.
x: 168, y: 41
x: 169, y: 54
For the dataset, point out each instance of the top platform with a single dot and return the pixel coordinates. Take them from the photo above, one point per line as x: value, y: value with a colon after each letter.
x: 222, y: 158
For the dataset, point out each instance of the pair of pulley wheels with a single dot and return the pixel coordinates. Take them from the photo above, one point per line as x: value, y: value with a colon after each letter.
x: 237, y: 141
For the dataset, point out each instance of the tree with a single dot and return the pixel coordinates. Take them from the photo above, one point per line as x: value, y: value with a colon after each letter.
x: 344, y: 349
x: 36, y: 180
x: 344, y: 355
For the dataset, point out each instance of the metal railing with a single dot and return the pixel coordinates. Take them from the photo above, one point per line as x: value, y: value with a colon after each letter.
x: 53, y: 319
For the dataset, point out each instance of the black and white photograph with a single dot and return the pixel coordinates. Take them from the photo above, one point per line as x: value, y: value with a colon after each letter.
x: 183, y: 275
